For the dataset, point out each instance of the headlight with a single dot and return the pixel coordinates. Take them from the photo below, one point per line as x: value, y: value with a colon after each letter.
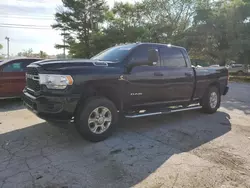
x: 53, y: 81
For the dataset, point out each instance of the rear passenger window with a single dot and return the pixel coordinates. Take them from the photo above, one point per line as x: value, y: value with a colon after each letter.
x: 172, y: 57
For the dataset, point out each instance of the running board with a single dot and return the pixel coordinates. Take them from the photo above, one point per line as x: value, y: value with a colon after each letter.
x: 163, y: 112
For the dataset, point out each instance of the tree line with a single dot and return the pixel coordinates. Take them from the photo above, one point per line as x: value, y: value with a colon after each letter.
x: 30, y: 53
x: 40, y: 54
x: 214, y: 31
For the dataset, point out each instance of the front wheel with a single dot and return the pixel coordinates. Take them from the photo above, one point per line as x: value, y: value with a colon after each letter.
x: 96, y: 119
x: 211, y: 100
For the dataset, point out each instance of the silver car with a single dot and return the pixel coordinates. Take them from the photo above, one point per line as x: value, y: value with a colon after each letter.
x: 239, y: 69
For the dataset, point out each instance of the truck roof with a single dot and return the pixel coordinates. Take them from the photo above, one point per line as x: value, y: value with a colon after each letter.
x: 161, y: 44
x: 141, y: 43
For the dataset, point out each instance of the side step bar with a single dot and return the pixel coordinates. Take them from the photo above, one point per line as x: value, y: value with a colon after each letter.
x: 168, y: 111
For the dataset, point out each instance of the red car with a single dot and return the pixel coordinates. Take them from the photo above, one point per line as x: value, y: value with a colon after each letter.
x: 12, y: 76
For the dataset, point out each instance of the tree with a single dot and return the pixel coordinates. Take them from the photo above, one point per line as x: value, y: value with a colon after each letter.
x: 60, y: 56
x: 80, y: 19
x: 43, y: 54
x: 123, y: 25
x: 150, y: 20
x: 1, y: 46
x: 221, y: 31
x: 30, y: 53
x: 214, y: 31
x: 26, y: 53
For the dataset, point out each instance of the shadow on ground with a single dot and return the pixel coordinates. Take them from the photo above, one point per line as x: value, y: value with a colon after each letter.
x: 11, y: 105
x: 49, y: 156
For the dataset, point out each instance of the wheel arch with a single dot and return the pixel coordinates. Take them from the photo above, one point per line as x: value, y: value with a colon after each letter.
x: 215, y: 84
x: 90, y: 90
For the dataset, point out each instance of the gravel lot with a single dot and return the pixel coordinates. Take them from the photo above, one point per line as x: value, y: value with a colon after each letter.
x: 188, y: 149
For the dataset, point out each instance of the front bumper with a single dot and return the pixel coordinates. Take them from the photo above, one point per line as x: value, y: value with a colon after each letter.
x: 58, y: 108
x: 225, y: 90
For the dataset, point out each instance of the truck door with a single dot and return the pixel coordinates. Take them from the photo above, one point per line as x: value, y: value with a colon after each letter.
x: 142, y: 82
x: 178, y: 76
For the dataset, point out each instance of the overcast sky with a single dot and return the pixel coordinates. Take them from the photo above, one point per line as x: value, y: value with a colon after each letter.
x: 30, y: 12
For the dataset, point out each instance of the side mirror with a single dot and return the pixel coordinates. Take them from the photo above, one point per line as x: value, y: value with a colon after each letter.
x: 153, y: 56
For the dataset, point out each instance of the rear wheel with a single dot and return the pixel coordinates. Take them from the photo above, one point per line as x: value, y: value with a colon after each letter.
x: 96, y: 119
x: 211, y: 100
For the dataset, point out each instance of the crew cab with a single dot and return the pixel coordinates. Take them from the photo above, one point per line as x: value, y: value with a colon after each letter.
x: 133, y: 80
x: 12, y: 76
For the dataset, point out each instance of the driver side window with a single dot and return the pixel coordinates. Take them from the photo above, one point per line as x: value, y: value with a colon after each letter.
x: 140, y: 55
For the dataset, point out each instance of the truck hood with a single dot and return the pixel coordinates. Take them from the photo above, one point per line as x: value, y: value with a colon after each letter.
x: 72, y: 64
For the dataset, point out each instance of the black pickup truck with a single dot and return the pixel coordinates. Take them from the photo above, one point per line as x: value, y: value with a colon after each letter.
x: 133, y: 80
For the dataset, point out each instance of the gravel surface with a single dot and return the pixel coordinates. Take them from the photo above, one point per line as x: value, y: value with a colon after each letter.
x: 188, y: 149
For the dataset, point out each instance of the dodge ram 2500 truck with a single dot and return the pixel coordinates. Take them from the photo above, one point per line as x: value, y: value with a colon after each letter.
x: 134, y: 80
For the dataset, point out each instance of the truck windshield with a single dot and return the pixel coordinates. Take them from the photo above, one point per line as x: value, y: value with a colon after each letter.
x: 117, y: 53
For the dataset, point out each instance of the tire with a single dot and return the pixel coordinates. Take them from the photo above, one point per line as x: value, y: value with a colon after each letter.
x: 96, y: 119
x: 211, y: 100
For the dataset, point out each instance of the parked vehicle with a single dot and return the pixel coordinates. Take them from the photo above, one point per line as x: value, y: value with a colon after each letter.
x: 238, y: 69
x: 134, y: 80
x: 199, y: 63
x: 12, y: 76
x: 215, y: 65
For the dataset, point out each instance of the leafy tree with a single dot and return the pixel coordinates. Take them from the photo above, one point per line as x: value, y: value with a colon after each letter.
x: 221, y: 31
x: 30, y: 53
x: 1, y: 55
x: 212, y: 31
x: 26, y: 53
x: 60, y: 56
x: 43, y: 54
x: 63, y: 46
x: 80, y: 19
x: 124, y: 24
x: 166, y: 20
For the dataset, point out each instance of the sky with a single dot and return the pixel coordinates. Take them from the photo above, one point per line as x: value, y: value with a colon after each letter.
x: 31, y: 12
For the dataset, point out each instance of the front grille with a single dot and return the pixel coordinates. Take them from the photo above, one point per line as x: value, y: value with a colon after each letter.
x: 28, y: 101
x: 32, y: 82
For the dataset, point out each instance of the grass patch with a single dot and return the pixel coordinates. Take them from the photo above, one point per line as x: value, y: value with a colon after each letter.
x: 239, y: 78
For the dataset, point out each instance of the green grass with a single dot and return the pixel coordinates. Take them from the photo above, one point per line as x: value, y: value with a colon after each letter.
x: 239, y: 78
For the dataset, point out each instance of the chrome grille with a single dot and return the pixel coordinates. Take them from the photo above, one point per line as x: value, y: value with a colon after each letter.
x: 32, y: 79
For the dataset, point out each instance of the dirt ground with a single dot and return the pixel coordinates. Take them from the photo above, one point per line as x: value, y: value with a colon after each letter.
x: 188, y: 149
